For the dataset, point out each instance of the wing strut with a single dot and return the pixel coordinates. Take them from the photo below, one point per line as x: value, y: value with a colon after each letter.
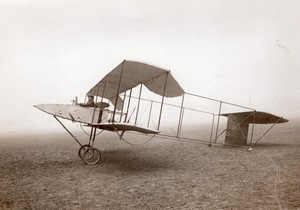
x: 162, y: 100
x: 67, y: 130
x: 264, y: 133
x: 117, y: 97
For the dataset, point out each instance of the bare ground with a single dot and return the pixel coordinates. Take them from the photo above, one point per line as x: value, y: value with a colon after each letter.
x: 43, y: 171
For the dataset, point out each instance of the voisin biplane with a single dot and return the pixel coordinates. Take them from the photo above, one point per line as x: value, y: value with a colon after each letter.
x: 143, y: 99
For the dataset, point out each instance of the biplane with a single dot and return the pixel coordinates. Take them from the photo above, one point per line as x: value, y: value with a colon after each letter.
x: 140, y: 98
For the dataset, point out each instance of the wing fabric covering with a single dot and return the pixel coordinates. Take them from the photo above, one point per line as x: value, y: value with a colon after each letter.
x: 258, y: 118
x: 126, y: 127
x: 129, y: 74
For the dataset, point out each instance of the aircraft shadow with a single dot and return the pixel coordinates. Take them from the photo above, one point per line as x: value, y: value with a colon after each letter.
x: 111, y: 160
x: 127, y: 160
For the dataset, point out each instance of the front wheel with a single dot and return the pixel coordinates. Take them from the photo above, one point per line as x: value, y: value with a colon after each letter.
x: 91, y: 156
x: 82, y: 150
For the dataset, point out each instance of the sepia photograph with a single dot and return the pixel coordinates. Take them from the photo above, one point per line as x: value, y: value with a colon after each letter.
x: 170, y: 104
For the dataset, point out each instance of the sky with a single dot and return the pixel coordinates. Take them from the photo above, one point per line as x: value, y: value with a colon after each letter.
x: 241, y: 51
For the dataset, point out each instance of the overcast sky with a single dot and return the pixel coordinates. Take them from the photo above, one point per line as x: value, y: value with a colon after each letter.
x: 242, y: 51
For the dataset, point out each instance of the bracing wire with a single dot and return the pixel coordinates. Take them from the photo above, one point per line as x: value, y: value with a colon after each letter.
x: 138, y: 144
x: 148, y: 96
x: 81, y: 126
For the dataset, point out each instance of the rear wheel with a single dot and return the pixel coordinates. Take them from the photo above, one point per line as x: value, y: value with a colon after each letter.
x: 91, y: 156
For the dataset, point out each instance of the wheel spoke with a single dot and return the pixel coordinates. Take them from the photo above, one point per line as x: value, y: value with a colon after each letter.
x: 91, y: 156
x: 82, y: 150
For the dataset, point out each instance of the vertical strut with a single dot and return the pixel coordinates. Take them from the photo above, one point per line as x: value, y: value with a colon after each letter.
x: 217, y: 130
x: 94, y: 135
x: 123, y: 107
x: 252, y: 128
x: 139, y: 101
x: 103, y: 90
x: 180, y: 118
x: 162, y: 101
x: 128, y: 105
x: 117, y: 96
x: 101, y: 110
x: 150, y: 112
x: 91, y: 134
x: 95, y: 106
x: 212, y: 129
x: 181, y: 121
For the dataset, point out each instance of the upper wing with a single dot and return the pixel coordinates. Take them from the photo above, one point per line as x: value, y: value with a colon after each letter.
x: 129, y: 74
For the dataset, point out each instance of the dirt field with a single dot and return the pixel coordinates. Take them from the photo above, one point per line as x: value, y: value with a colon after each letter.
x: 43, y: 171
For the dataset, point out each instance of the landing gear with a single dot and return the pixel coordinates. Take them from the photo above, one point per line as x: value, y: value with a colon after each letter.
x: 90, y: 155
x: 82, y: 150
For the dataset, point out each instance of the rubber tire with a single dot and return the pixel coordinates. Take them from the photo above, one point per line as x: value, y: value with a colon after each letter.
x: 82, y: 150
x: 91, y: 156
